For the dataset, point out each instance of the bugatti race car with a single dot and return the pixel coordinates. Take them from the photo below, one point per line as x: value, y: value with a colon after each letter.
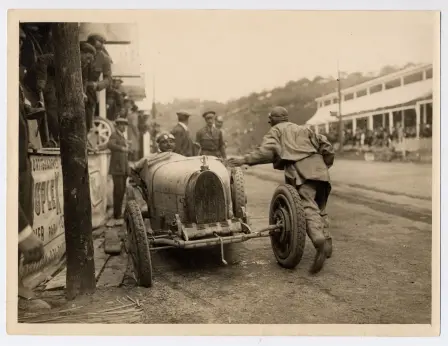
x: 201, y: 202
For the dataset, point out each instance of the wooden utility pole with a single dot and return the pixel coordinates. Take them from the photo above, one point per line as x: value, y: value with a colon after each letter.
x: 75, y: 175
x: 154, y: 114
x: 341, y: 126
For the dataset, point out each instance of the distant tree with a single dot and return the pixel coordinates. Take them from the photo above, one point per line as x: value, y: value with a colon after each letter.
x: 387, y: 69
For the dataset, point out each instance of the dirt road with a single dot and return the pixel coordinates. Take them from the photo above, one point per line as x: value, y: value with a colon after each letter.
x: 380, y: 273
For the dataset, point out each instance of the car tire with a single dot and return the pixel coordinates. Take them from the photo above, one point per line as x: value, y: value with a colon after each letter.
x: 239, y: 199
x: 138, y: 244
x: 288, y: 246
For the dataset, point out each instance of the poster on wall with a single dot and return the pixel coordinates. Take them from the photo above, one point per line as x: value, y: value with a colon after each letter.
x: 48, y: 204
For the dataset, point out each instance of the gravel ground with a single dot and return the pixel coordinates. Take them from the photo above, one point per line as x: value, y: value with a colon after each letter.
x: 380, y: 273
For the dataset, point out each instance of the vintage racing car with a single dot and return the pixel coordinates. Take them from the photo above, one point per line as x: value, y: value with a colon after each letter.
x: 200, y: 202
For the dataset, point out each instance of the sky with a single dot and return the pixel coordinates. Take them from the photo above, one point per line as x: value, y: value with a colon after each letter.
x: 220, y: 55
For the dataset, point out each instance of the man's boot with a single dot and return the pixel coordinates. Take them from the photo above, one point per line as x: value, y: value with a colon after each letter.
x: 329, y: 247
x: 320, y: 256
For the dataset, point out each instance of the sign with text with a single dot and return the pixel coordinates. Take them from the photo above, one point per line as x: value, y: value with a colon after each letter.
x: 48, y: 204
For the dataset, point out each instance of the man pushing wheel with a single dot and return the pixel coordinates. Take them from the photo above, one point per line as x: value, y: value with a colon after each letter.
x: 305, y: 158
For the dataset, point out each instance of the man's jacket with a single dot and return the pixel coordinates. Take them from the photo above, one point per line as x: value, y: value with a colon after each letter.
x: 184, y: 144
x: 300, y: 152
x: 119, y: 158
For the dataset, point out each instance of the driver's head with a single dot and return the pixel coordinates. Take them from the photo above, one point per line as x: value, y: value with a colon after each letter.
x: 165, y: 141
x: 278, y: 115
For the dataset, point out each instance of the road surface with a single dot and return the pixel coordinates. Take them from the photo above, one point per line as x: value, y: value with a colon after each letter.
x: 380, y: 272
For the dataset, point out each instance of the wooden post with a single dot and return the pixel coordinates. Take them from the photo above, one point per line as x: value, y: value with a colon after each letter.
x: 425, y: 113
x: 417, y: 120
x: 370, y: 122
x: 341, y: 125
x: 101, y: 97
x: 75, y: 176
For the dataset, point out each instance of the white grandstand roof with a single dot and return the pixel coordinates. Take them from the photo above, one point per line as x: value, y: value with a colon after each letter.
x: 383, y: 100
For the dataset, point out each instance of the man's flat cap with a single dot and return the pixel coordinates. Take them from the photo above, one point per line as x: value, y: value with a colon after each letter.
x: 219, y: 118
x: 278, y: 112
x: 207, y: 113
x: 121, y: 121
x: 87, y: 48
x: 97, y: 37
x: 183, y: 114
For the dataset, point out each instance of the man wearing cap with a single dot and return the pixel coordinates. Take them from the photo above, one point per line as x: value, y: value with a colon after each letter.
x: 118, y: 167
x: 114, y: 100
x: 184, y: 143
x: 210, y: 138
x: 305, y: 157
x: 100, y: 65
x: 41, y: 79
x: 134, y: 133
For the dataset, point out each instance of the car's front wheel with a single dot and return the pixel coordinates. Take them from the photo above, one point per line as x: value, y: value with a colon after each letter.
x: 138, y: 244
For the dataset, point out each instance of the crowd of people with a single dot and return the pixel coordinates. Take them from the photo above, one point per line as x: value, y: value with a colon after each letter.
x: 379, y: 137
x: 38, y: 101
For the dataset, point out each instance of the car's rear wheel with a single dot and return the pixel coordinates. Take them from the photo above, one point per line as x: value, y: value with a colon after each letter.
x: 138, y: 244
x: 239, y: 199
x: 286, y: 208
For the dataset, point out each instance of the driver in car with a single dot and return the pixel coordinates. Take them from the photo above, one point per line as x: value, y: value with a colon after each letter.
x: 166, y: 144
x: 305, y: 158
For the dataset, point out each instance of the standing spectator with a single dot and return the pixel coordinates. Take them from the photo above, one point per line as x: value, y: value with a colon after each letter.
x: 219, y: 123
x: 210, y: 138
x: 100, y: 65
x: 133, y: 134
x: 44, y: 74
x: 118, y: 167
x: 114, y: 100
x: 362, y: 138
x: 400, y: 132
x: 181, y: 133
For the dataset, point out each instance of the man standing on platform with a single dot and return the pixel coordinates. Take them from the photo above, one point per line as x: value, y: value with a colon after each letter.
x: 210, y: 138
x: 184, y: 143
x: 119, y: 167
x: 100, y: 65
x: 114, y: 100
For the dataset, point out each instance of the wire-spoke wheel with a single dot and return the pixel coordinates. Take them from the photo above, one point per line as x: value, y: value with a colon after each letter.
x: 138, y: 244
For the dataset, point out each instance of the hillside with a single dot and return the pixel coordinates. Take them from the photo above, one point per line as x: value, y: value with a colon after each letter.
x: 246, y: 117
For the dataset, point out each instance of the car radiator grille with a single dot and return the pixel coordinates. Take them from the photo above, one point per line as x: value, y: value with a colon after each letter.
x: 209, y: 199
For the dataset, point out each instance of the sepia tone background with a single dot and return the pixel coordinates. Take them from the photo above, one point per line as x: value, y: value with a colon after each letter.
x: 178, y: 72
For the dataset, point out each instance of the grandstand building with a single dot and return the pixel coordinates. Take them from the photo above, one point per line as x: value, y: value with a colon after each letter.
x: 401, y: 98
